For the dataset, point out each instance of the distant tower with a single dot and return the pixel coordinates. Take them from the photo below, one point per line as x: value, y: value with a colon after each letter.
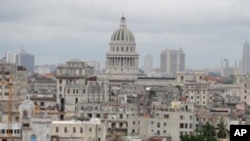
x: 246, y: 58
x: 172, y: 61
x: 27, y: 60
x: 10, y: 57
x: 148, y: 64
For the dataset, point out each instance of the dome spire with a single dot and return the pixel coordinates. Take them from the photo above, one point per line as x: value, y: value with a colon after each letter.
x: 123, y: 21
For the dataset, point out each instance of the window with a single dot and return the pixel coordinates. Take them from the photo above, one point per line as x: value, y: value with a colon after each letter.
x: 181, y: 117
x: 42, y: 103
x: 121, y: 125
x: 164, y: 124
x: 190, y: 125
x: 166, y: 116
x: 74, y: 129
x: 65, y: 130
x: 33, y: 138
x: 57, y: 129
x: 186, y: 125
x: 158, y: 125
x: 133, y: 122
x: 90, y: 129
x: 83, y: 91
x: 190, y: 117
x: 158, y: 132
x: 181, y: 125
x: 76, y: 100
x: 81, y: 130
x: 122, y: 49
x: 60, y: 81
x: 60, y: 89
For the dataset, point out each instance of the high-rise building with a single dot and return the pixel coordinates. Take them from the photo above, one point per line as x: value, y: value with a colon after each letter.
x: 246, y: 59
x: 10, y: 57
x: 148, y: 64
x: 27, y: 60
x: 172, y: 61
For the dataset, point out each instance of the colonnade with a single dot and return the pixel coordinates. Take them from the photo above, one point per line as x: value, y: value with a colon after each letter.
x: 122, y: 61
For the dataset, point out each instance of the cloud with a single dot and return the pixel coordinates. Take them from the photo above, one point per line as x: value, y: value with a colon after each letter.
x: 59, y: 30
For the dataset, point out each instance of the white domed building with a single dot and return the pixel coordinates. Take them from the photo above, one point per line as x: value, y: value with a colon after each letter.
x: 122, y: 58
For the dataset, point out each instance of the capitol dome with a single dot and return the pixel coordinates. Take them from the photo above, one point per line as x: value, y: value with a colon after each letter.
x: 122, y: 33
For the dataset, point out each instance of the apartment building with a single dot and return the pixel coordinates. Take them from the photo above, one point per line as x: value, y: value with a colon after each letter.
x: 69, y: 130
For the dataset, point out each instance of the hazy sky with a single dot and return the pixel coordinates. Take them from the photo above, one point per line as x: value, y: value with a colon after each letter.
x: 59, y: 30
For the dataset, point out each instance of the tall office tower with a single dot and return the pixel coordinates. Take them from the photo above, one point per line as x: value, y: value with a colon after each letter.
x: 148, y: 64
x: 172, y: 61
x: 10, y: 57
x: 27, y: 60
x: 246, y: 59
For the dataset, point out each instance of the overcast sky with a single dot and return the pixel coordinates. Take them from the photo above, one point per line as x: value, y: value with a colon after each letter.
x: 59, y: 30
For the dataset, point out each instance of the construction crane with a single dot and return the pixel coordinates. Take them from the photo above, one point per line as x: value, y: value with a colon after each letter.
x: 8, y: 82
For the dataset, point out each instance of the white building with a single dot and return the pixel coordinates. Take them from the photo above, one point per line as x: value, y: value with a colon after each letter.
x: 71, y: 84
x: 93, y: 130
x: 172, y: 61
x: 122, y: 57
x: 148, y: 64
x: 10, y: 57
x: 246, y: 58
x: 165, y: 123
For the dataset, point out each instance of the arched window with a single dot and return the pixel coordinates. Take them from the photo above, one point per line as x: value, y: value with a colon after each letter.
x: 33, y: 138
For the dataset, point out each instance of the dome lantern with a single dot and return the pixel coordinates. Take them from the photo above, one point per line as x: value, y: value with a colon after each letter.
x: 123, y: 22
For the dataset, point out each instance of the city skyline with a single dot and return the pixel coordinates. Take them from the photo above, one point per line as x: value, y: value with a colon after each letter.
x: 63, y: 30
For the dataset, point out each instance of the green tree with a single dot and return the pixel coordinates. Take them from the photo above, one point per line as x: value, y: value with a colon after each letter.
x: 222, y: 131
x: 208, y: 130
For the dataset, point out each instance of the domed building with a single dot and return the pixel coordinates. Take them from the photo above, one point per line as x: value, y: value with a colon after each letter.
x: 122, y: 57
